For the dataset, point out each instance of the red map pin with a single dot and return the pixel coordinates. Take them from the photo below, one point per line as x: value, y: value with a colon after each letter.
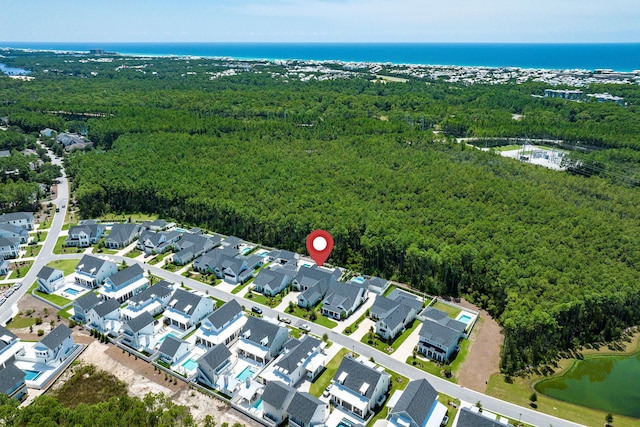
x: 319, y: 245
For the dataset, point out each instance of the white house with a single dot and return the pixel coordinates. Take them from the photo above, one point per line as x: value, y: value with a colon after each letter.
x: 12, y: 382
x: 9, y: 345
x: 359, y: 386
x: 9, y: 247
x: 50, y: 279
x: 152, y: 300
x: 275, y: 401
x: 85, y: 235
x: 213, y: 364
x: 138, y: 332
x: 124, y: 284
x: 302, y: 359
x: 306, y: 410
x: 343, y: 299
x: 53, y: 349
x: 260, y: 340
x: 157, y: 242
x: 91, y: 271
x: 19, y: 219
x: 416, y: 406
x: 105, y: 317
x: 223, y: 326
x: 186, y: 309
x: 313, y: 283
x: 13, y: 232
x: 122, y: 235
x: 173, y: 349
x: 392, y: 314
x: 271, y: 282
x: 82, y: 305
x: 439, y: 335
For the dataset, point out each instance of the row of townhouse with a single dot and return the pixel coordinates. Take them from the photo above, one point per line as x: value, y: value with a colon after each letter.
x: 19, y: 219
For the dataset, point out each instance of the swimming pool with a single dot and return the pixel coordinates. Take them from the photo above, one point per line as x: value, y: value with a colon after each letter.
x: 464, y: 318
x: 345, y: 423
x: 170, y: 334
x: 190, y: 365
x: 71, y: 291
x: 246, y: 373
x: 258, y: 405
x: 31, y: 375
x: 357, y: 279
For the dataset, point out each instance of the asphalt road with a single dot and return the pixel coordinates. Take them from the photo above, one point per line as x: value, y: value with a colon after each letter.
x: 492, y: 404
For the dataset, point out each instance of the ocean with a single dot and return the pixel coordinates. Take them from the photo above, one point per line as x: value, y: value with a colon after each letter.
x: 619, y: 57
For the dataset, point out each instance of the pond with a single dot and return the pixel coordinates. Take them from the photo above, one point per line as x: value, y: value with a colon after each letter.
x: 12, y: 71
x: 608, y: 383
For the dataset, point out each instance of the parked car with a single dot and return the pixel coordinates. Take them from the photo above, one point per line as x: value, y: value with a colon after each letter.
x: 445, y: 420
x: 256, y: 309
x: 305, y: 327
x: 325, y: 393
x: 285, y: 320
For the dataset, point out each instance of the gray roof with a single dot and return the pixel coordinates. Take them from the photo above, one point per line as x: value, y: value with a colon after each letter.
x: 92, y: 230
x: 121, y: 233
x: 56, y: 336
x: 170, y: 345
x: 15, y: 229
x: 259, y: 329
x: 439, y: 334
x: 434, y: 314
x: 357, y: 375
x: 341, y: 294
x: 272, y: 278
x: 139, y: 322
x: 276, y: 393
x: 303, y: 406
x: 283, y: 255
x: 309, y: 276
x: 5, y: 332
x: 9, y: 242
x: 13, y: 216
x: 232, y: 241
x: 455, y: 325
x: 107, y: 306
x: 225, y: 313
x: 46, y: 272
x: 9, y: 377
x: 183, y: 300
x: 382, y: 306
x: 396, y: 316
x: 213, y: 257
x: 90, y: 264
x: 298, y: 355
x: 406, y: 298
x: 87, y: 301
x: 467, y: 418
x: 156, y: 223
x: 232, y: 263
x: 417, y: 400
x: 196, y: 241
x: 126, y: 275
x: 160, y: 290
x: 215, y: 357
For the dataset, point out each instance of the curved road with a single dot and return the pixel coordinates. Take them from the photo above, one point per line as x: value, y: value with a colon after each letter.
x: 492, y: 404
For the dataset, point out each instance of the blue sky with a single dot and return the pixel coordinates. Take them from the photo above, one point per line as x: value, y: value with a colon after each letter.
x: 320, y: 20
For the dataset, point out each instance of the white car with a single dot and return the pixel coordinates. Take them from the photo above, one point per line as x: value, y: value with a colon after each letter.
x: 305, y: 327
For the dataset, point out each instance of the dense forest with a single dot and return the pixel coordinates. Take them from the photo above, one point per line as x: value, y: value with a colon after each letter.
x: 267, y: 157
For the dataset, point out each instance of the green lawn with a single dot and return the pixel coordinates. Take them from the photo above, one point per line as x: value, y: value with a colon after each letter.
x: 65, y: 313
x: 21, y: 270
x: 60, y: 248
x: 134, y: 217
x: 388, y: 291
x: 352, y: 327
x: 451, y: 311
x: 241, y: 286
x: 327, y: 375
x: 510, y: 147
x: 133, y: 253
x: 304, y: 313
x: 326, y: 322
x: 54, y: 299
x: 159, y: 258
x: 398, y: 382
x: 104, y: 251
x: 42, y: 236
x: 430, y: 367
x: 21, y: 322
x: 68, y: 266
x: 32, y: 251
x: 47, y: 224
x: 264, y: 300
x: 171, y: 267
x: 382, y: 345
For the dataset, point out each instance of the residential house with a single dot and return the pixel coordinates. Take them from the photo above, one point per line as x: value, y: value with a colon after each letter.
x: 82, y: 306
x: 439, y: 338
x: 19, y: 219
x: 91, y: 271
x: 105, y: 317
x: 54, y: 348
x: 152, y: 300
x: 157, y: 242
x: 50, y: 279
x: 233, y: 270
x: 393, y: 313
x: 207, y: 262
x: 223, y: 326
x: 173, y: 349
x: 9, y: 345
x: 124, y: 284
x: 281, y: 257
x: 275, y: 401
x: 14, y: 232
x: 190, y: 246
x: 138, y: 333
x: 12, y: 382
x: 302, y: 359
x: 306, y: 410
x: 186, y: 309
x: 5, y: 266
x: 72, y: 141
x: 416, y: 406
x: 9, y: 247
x: 232, y: 242
x: 343, y: 299
x: 261, y: 340
x: 377, y: 285
x: 472, y: 417
x: 359, y: 386
x: 86, y: 235
x: 213, y: 364
x: 313, y: 283
x: 122, y: 235
x: 271, y: 282
x: 157, y: 225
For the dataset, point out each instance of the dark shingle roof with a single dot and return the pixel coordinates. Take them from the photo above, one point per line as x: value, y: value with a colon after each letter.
x: 396, y: 316
x: 276, y: 393
x: 303, y: 406
x: 341, y: 294
x: 160, y: 290
x: 434, y: 314
x: 406, y: 298
x: 121, y: 233
x: 90, y: 264
x: 9, y: 377
x: 357, y: 375
x: 260, y: 329
x: 56, y: 337
x: 87, y: 301
x: 417, y: 400
x: 4, y: 332
x: 170, y: 345
x: 107, y: 306
x: 139, y: 322
x: 439, y: 334
x: 45, y: 273
x: 467, y: 418
x: 290, y: 361
x: 214, y: 357
x: 124, y: 276
x: 183, y: 300
x: 382, y: 305
x: 226, y: 312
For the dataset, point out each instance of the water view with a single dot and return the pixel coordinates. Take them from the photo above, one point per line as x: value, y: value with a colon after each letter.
x: 12, y: 71
x: 609, y: 383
